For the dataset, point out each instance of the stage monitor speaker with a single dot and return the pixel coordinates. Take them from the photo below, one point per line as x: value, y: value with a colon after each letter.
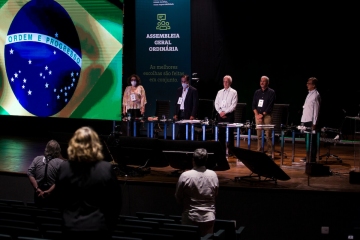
x: 354, y: 177
x: 140, y: 151
x: 317, y: 169
x: 179, y: 154
x: 260, y: 164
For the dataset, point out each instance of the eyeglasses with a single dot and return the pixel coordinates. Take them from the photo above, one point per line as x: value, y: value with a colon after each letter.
x: 309, y: 83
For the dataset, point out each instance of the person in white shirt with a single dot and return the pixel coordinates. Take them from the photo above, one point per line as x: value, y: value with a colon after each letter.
x: 225, y: 105
x: 196, y: 191
x: 310, y: 115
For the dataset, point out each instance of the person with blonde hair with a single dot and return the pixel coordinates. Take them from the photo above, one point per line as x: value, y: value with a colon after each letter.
x: 89, y: 194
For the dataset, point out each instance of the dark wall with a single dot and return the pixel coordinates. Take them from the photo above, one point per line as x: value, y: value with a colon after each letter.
x: 287, y: 42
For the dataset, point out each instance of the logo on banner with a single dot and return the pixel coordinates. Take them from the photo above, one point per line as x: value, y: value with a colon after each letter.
x: 162, y: 24
x: 43, y: 57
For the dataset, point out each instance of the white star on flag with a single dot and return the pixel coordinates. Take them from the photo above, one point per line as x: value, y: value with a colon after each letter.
x: 46, y: 85
x: 54, y: 89
x: 72, y: 74
x: 11, y: 51
x: 29, y: 61
x: 16, y: 75
x: 54, y: 52
x: 23, y: 86
x: 12, y: 79
x: 50, y: 72
x: 56, y: 35
x: 46, y: 67
x: 24, y: 80
x: 29, y: 92
x: 40, y: 74
x: 58, y: 97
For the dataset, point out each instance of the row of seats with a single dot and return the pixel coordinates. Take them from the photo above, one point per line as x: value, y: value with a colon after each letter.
x: 20, y: 220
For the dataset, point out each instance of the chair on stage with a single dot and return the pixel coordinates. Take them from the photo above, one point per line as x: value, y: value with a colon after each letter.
x: 206, y: 109
x: 280, y: 116
x: 240, y: 113
x: 162, y: 111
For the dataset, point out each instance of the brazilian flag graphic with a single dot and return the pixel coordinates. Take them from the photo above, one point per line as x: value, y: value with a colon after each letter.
x: 61, y: 58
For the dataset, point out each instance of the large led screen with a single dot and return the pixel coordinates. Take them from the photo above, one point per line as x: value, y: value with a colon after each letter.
x: 61, y: 58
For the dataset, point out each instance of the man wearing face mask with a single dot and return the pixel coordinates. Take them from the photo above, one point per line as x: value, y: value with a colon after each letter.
x: 187, y: 102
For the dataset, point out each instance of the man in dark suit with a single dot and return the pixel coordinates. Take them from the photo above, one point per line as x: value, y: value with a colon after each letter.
x: 187, y: 102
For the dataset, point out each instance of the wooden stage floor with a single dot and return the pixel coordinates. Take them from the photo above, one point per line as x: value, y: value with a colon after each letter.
x: 16, y: 154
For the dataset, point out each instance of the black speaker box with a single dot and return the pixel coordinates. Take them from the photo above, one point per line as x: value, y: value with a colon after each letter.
x: 354, y: 177
x: 317, y: 169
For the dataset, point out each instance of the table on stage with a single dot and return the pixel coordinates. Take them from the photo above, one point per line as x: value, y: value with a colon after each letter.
x: 188, y: 124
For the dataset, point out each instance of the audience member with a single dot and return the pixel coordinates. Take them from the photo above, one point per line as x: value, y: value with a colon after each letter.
x: 42, y: 174
x: 196, y: 191
x: 88, y: 189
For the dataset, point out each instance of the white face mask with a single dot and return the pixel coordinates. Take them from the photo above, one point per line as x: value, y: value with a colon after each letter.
x: 133, y: 83
x: 184, y: 85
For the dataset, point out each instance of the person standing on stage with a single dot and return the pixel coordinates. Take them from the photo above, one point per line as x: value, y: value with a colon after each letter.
x: 225, y: 105
x: 42, y: 174
x: 196, y: 191
x: 134, y: 98
x: 187, y: 103
x: 310, y: 115
x: 89, y: 193
x: 262, y: 106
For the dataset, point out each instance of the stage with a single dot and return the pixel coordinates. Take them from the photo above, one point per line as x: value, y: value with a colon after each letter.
x: 278, y: 209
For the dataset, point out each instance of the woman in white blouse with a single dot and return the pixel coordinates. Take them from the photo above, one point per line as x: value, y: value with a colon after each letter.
x: 134, y: 98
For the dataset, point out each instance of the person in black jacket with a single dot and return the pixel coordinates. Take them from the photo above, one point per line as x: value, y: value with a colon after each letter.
x: 88, y: 190
x: 187, y: 103
x: 262, y: 106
